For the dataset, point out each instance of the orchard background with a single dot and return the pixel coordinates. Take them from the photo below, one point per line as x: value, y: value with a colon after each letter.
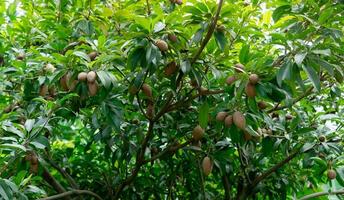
x: 181, y: 99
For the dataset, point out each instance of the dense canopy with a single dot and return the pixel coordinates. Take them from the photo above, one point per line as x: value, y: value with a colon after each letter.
x: 172, y: 99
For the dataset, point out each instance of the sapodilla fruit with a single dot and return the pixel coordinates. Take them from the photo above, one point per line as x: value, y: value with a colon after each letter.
x: 322, y: 138
x: 43, y: 90
x: 49, y: 68
x: 21, y: 56
x: 93, y: 55
x: 250, y: 90
x: 239, y: 68
x: 179, y: 2
x: 162, y: 45
x: 239, y: 120
x: 331, y: 174
x: 64, y: 81
x: 146, y: 89
x: 170, y: 68
x: 207, y: 165
x: 82, y: 76
x: 229, y: 121
x: 221, y: 116
x: 254, y: 78
x: 262, y: 105
x: 92, y: 88
x: 172, y: 37
x: 91, y: 77
x: 150, y: 111
x: 197, y: 133
x: 230, y: 80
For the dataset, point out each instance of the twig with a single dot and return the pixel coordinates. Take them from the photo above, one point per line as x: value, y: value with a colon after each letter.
x: 72, y: 192
x: 318, y: 194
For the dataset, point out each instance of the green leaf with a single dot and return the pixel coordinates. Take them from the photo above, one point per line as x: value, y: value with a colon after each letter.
x: 325, y: 15
x: 221, y: 39
x: 29, y: 124
x: 12, y: 146
x: 82, y: 55
x: 104, y: 79
x: 185, y: 65
x: 299, y: 57
x: 326, y: 52
x: 307, y: 146
x: 159, y: 27
x: 284, y: 72
x: 313, y: 76
x: 280, y: 11
x: 203, y: 114
x: 244, y: 54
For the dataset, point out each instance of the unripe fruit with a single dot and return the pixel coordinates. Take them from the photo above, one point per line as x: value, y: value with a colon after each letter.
x: 197, y: 133
x: 91, y: 77
x: 262, y: 105
x: 136, y: 121
x: 239, y: 68
x: 49, y: 68
x: 150, y: 111
x: 250, y: 90
x: 207, y: 165
x: 322, y: 138
x: 43, y: 90
x: 171, y: 68
x: 93, y: 55
x: 146, y: 89
x: 162, y: 45
x: 229, y: 121
x: 254, y: 78
x: 172, y: 37
x: 92, y: 88
x: 239, y: 120
x: 221, y: 116
x: 82, y: 76
x: 230, y: 80
x: 21, y: 56
x: 331, y: 174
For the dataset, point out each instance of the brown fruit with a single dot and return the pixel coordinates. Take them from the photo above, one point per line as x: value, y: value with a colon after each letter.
x: 254, y: 78
x: 239, y: 120
x: 93, y: 55
x: 49, y: 68
x: 197, y: 133
x: 207, y: 165
x: 150, y: 111
x: 133, y: 90
x: 92, y: 89
x: 43, y: 90
x: 21, y: 56
x: 63, y: 81
x: 172, y: 37
x: 229, y: 121
x: 146, y: 89
x: 179, y: 2
x: 34, y: 159
x: 171, y: 68
x: 221, y: 116
x: 247, y: 136
x: 82, y: 76
x: 288, y: 117
x: 91, y: 77
x: 250, y: 90
x: 331, y: 174
x: 34, y: 168
x: 230, y: 80
x: 162, y: 45
x: 239, y: 68
x: 262, y: 105
x: 322, y: 138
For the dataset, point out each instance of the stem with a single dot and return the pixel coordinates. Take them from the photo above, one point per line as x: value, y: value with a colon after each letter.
x: 72, y: 192
x: 318, y: 194
x: 148, y: 7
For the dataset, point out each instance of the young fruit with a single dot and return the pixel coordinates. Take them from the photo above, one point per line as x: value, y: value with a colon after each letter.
x: 197, y: 133
x: 170, y: 68
x: 92, y: 88
x: 250, y: 90
x: 49, y: 68
x: 207, y: 165
x: 82, y: 76
x: 262, y: 105
x: 239, y: 120
x: 150, y: 111
x: 43, y: 90
x: 254, y: 78
x: 91, y: 77
x: 21, y: 56
x: 172, y: 37
x: 146, y: 89
x: 229, y: 121
x: 93, y: 55
x: 322, y: 138
x: 162, y: 45
x: 221, y: 116
x: 239, y: 68
x: 331, y: 174
x: 230, y: 80
x: 288, y: 117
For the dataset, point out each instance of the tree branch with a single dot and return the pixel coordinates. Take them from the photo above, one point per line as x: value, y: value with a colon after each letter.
x: 72, y: 192
x: 318, y: 194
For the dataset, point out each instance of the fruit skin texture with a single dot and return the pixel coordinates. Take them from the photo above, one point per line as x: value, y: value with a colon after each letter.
x: 64, y: 81
x: 49, y: 68
x: 207, y: 165
x: 162, y: 45
x: 93, y: 55
x: 229, y: 121
x: 92, y: 88
x: 250, y: 90
x: 331, y: 174
x: 21, y: 56
x: 150, y: 111
x: 146, y: 89
x: 230, y: 80
x: 82, y: 76
x: 197, y: 133
x: 91, y: 77
x: 322, y: 138
x: 288, y: 117
x: 172, y: 37
x: 262, y: 105
x: 254, y: 78
x: 239, y: 68
x: 43, y: 90
x: 221, y: 116
x: 170, y: 68
x: 239, y: 120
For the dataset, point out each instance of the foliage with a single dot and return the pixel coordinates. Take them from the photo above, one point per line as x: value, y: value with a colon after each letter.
x: 61, y: 133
